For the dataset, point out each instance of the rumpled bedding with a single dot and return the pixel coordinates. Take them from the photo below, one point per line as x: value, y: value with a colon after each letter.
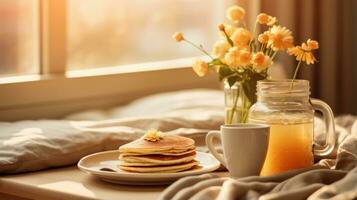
x: 34, y: 145
x: 334, y: 178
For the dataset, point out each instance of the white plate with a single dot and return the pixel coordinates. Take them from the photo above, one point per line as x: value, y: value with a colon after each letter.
x: 93, y: 164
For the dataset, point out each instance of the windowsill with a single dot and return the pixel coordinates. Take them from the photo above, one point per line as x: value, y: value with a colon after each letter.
x: 105, y: 71
x: 53, y: 96
x: 132, y: 68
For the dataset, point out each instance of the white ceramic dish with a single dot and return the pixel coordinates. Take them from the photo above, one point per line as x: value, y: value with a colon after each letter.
x: 94, y: 164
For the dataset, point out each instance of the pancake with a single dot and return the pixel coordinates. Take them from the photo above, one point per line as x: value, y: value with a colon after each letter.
x: 156, y: 160
x: 161, y: 169
x: 157, y: 152
x: 168, y: 144
x: 160, y: 153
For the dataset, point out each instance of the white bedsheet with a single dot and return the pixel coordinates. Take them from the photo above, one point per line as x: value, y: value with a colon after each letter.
x: 35, y: 145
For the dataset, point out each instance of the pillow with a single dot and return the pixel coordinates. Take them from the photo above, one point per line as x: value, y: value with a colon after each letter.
x: 169, y: 103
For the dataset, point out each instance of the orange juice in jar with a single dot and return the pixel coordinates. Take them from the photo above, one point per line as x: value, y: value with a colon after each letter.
x: 290, y: 113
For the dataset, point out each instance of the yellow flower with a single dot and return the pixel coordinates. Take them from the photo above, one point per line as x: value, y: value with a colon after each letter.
x: 244, y: 58
x: 235, y: 13
x: 280, y: 38
x: 312, y: 44
x: 220, y: 48
x: 303, y: 52
x: 272, y: 21
x: 229, y: 29
x: 260, y: 61
x: 258, y: 58
x: 264, y: 37
x: 178, y: 36
x: 241, y: 37
x: 200, y: 68
x: 237, y: 57
x: 232, y: 57
x: 309, y: 58
x: 297, y: 51
x: 221, y: 27
x: 263, y: 18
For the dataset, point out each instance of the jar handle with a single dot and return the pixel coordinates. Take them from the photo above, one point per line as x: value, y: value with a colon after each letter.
x: 330, y: 128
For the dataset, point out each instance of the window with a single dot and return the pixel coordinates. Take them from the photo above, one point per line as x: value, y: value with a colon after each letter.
x: 101, y: 33
x: 72, y: 55
x: 19, y: 37
x: 111, y: 32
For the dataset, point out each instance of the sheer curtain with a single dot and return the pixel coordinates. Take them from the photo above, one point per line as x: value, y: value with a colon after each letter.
x: 334, y: 24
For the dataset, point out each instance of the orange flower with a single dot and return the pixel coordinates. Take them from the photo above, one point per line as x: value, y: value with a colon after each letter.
x: 237, y: 57
x: 178, y: 36
x: 312, y: 44
x: 280, y: 38
x: 260, y: 61
x: 309, y: 58
x: 221, y: 27
x: 220, y: 48
x: 235, y: 13
x: 264, y: 37
x: 200, y: 68
x: 272, y: 21
x: 231, y: 57
x: 263, y: 18
x: 244, y: 58
x: 241, y: 37
x: 229, y: 29
x: 258, y: 58
x: 303, y: 52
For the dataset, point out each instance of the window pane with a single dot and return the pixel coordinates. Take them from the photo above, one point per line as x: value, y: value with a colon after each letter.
x: 18, y: 37
x: 111, y: 32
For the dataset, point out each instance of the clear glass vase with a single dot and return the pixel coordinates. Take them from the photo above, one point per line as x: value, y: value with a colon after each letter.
x: 236, y: 104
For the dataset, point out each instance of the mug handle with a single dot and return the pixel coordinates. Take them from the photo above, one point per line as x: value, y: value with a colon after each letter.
x: 330, y: 128
x: 209, y: 141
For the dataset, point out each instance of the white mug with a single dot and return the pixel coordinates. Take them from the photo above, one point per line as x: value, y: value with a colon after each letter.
x: 244, y: 148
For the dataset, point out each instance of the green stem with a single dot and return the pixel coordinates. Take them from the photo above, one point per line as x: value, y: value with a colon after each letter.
x: 274, y: 54
x: 267, y: 51
x: 232, y: 75
x: 262, y: 47
x: 199, y: 48
x: 242, y: 95
x: 234, y: 107
x: 295, y: 74
x: 250, y: 42
x: 245, y: 107
x: 229, y: 40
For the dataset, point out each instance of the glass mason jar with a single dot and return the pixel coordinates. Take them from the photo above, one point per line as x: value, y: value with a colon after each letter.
x: 236, y: 104
x: 286, y: 106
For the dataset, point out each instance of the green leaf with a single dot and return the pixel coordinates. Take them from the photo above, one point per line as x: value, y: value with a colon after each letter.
x: 250, y: 86
x: 224, y: 71
x: 216, y: 61
x: 232, y: 80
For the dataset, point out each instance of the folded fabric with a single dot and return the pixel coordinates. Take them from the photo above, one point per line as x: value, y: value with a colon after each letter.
x: 35, y: 145
x: 328, y: 179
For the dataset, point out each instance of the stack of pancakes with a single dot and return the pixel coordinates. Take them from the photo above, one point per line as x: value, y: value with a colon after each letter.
x: 171, y: 153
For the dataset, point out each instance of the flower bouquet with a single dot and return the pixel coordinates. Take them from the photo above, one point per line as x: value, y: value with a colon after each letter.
x: 242, y: 58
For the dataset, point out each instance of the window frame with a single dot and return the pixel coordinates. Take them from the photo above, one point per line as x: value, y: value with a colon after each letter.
x: 55, y: 92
